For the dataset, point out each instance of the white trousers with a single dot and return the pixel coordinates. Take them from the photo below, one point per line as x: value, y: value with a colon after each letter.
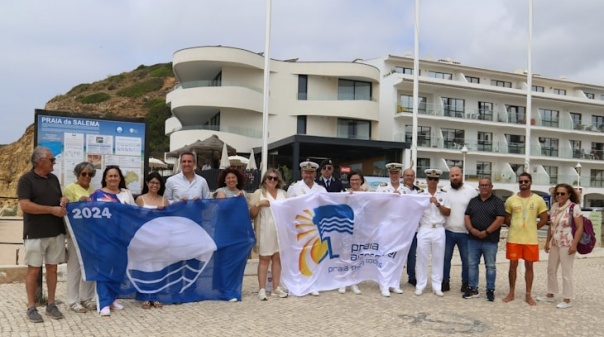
x: 558, y: 256
x: 78, y: 290
x: 430, y: 241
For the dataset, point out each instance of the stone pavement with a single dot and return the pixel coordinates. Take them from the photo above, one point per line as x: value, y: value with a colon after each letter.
x: 334, y: 314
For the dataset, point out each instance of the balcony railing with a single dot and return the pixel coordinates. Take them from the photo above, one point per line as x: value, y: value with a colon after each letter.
x: 242, y: 131
x: 212, y: 83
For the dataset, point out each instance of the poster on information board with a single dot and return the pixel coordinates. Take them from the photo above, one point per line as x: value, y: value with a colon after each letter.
x: 74, y: 138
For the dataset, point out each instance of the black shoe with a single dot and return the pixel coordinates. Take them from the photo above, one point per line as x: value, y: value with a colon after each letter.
x: 464, y: 287
x: 471, y: 293
x: 412, y: 282
x: 445, y: 287
x: 490, y: 295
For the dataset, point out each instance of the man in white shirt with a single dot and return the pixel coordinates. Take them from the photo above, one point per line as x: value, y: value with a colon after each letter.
x: 394, y: 185
x: 459, y: 195
x: 186, y: 185
x: 307, y: 185
x: 431, y: 235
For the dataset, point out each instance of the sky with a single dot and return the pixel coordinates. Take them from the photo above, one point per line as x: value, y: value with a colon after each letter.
x: 48, y: 47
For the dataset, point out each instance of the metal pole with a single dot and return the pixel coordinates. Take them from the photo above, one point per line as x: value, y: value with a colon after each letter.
x: 529, y: 91
x: 415, y: 90
x: 267, y: 60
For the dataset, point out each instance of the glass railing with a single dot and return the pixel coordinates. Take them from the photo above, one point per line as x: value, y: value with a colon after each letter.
x: 212, y: 83
x: 242, y: 131
x: 333, y: 97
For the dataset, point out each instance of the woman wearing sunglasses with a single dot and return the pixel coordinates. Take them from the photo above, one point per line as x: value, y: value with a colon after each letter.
x: 562, y: 245
x: 80, y: 293
x: 271, y: 189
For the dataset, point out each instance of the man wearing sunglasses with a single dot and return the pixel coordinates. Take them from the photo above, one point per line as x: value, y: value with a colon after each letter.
x: 327, y: 180
x: 522, y: 210
x: 43, y: 207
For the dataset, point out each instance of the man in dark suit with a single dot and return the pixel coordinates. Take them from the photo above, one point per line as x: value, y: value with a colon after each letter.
x: 326, y: 179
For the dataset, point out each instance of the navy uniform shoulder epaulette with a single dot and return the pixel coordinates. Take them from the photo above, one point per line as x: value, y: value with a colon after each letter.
x: 420, y: 190
x: 442, y: 190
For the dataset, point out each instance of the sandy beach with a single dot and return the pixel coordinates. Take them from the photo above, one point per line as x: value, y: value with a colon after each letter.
x: 11, y: 232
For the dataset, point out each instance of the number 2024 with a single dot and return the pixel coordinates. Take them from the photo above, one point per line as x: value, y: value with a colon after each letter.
x: 94, y: 212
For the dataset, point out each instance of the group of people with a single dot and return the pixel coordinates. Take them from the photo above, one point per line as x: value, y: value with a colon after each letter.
x: 458, y: 216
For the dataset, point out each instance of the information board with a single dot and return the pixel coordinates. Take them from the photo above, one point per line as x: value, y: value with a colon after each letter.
x: 74, y: 138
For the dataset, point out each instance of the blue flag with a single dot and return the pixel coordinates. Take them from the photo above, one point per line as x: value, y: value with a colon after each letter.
x: 189, y: 251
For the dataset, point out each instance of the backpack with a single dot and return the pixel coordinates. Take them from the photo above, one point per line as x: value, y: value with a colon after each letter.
x: 588, y: 239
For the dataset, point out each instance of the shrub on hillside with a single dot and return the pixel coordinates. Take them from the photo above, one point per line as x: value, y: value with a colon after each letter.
x: 141, y: 88
x: 94, y: 98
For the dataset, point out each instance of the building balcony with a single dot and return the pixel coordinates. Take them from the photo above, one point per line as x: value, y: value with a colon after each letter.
x: 331, y: 106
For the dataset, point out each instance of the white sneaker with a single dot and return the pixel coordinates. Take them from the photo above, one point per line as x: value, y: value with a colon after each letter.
x: 262, y: 295
x: 545, y: 299
x: 342, y: 290
x: 563, y: 305
x: 356, y: 290
x: 279, y: 292
x: 385, y: 292
x: 233, y: 299
x: 397, y: 290
x: 315, y: 293
x: 106, y: 311
x: 418, y: 292
x: 438, y: 293
x: 117, y: 305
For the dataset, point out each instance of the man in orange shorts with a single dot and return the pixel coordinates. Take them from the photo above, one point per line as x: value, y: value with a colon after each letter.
x: 521, y: 212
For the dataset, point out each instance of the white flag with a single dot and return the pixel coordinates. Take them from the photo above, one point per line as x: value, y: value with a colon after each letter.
x: 331, y: 240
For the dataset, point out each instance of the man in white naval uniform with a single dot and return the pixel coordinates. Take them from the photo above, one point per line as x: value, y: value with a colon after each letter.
x: 431, y: 235
x: 306, y: 186
x: 393, y: 186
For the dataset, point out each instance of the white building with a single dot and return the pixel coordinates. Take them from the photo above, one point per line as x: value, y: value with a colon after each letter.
x: 364, y: 109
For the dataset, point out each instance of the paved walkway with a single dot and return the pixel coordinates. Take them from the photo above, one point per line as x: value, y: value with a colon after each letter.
x: 334, y: 314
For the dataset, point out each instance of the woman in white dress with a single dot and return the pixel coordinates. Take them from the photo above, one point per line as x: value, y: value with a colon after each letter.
x: 356, y: 185
x: 271, y: 189
x: 152, y: 198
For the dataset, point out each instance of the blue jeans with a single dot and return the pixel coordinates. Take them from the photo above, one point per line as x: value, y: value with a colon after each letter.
x: 489, y: 251
x: 411, y: 258
x: 461, y: 240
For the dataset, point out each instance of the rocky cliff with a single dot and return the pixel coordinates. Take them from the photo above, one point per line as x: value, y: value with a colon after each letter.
x: 139, y: 93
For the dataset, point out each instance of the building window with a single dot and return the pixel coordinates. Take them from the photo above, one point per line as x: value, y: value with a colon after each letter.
x: 302, y: 87
x: 403, y: 70
x: 576, y: 118
x: 549, y: 146
x: 422, y: 165
x: 301, y: 125
x: 483, y: 169
x: 504, y: 84
x: 473, y: 79
x: 406, y: 104
x: 561, y: 92
x: 485, y: 141
x: 549, y: 117
x: 453, y: 139
x: 596, y: 150
x: 538, y: 88
x: 217, y: 80
x: 596, y: 178
x: 354, y: 129
x: 215, y: 122
x: 590, y: 95
x: 436, y: 74
x: 515, y: 143
x: 485, y: 111
x: 577, y: 149
x: 552, y: 171
x: 598, y: 122
x: 423, y: 135
x: 453, y: 107
x: 349, y: 90
x: 517, y: 114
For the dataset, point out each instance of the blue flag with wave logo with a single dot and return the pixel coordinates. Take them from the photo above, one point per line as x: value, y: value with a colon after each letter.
x: 189, y: 251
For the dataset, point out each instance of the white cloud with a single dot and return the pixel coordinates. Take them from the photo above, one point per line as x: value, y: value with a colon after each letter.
x: 51, y: 46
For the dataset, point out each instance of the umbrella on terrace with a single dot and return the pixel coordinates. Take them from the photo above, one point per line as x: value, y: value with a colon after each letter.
x: 156, y: 163
x: 211, y: 146
x: 251, y: 165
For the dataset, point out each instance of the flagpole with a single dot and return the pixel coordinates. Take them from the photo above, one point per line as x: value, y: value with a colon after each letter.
x: 529, y: 91
x: 267, y: 59
x: 415, y: 90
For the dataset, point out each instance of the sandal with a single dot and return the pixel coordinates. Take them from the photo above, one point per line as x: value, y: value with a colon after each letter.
x: 146, y: 305
x: 89, y: 304
x: 77, y: 307
x: 157, y: 304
